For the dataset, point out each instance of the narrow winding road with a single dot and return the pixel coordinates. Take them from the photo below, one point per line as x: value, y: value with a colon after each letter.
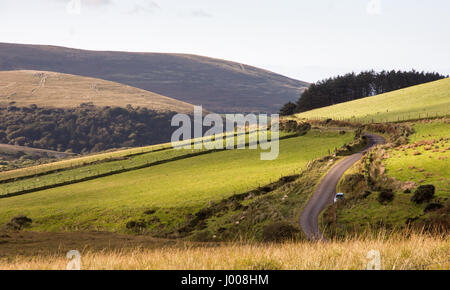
x: 324, y: 194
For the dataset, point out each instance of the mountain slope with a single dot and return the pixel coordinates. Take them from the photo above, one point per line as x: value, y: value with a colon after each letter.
x: 218, y: 85
x: 51, y: 89
x: 430, y: 99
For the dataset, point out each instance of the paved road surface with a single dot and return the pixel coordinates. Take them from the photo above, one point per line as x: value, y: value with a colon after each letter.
x: 326, y: 191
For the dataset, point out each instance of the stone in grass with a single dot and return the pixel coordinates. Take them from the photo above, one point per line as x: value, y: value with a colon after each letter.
x: 19, y: 222
x: 423, y: 193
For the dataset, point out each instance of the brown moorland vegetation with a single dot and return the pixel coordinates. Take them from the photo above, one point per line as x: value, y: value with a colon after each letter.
x: 400, y: 251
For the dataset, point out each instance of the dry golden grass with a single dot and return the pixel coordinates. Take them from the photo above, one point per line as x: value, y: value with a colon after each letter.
x: 398, y: 252
x: 52, y: 89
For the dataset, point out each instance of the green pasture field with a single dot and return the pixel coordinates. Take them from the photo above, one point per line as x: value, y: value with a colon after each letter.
x: 185, y: 185
x: 79, y: 161
x: 62, y: 173
x: 425, y: 160
x: 424, y: 164
x: 417, y: 102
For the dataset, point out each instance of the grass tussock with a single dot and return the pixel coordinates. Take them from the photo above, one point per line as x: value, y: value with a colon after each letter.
x: 398, y: 252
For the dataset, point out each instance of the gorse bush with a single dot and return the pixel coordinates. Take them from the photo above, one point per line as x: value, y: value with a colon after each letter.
x: 18, y: 223
x: 423, y: 193
x: 385, y: 196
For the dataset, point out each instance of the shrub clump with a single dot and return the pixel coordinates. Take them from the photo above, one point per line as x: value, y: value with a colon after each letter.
x: 366, y: 194
x: 279, y: 231
x: 136, y: 226
x: 385, y: 196
x: 354, y: 183
x: 294, y: 126
x: 354, y: 179
x: 433, y: 207
x: 19, y: 222
x: 203, y: 236
x: 423, y: 193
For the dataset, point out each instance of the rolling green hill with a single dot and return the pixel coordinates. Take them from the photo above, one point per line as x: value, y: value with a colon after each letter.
x: 423, y: 160
x: 173, y: 189
x: 426, y: 100
x: 400, y: 167
x: 80, y: 161
x: 203, y: 194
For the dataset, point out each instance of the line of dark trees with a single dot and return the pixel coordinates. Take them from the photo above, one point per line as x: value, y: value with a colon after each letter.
x: 84, y: 129
x: 355, y: 86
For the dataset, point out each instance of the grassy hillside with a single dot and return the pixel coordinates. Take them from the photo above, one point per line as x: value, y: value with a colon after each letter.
x: 173, y: 189
x: 99, y: 159
x: 58, y: 90
x: 80, y: 161
x: 423, y: 160
x: 76, y: 172
x: 219, y: 85
x: 13, y: 156
x: 427, y: 100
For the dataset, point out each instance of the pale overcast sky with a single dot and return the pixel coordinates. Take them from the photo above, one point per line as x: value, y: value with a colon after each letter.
x: 307, y: 40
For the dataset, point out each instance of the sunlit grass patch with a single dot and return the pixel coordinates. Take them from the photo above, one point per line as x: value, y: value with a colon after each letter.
x: 422, y: 101
x: 174, y: 189
x: 425, y: 160
x: 402, y: 251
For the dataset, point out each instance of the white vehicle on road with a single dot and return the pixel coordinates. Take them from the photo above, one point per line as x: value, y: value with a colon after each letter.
x: 338, y: 196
